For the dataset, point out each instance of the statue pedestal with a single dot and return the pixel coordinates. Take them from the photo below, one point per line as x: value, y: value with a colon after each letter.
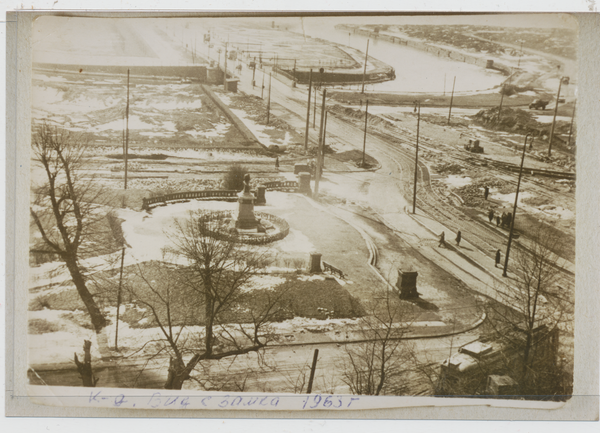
x: 245, y: 218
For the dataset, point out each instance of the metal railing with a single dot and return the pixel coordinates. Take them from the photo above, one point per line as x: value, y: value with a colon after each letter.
x: 228, y: 195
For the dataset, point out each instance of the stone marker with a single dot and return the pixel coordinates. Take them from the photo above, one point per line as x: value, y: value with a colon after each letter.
x: 407, y: 283
x: 315, y: 263
x: 304, y: 183
x: 261, y: 200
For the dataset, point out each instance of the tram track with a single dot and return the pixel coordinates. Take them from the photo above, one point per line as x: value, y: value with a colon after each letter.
x: 399, y: 147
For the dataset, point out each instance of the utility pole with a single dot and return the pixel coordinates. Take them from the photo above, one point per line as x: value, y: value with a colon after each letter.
x: 324, y: 136
x: 119, y: 300
x: 269, y: 100
x: 365, y: 136
x: 312, y: 371
x: 451, y: 100
x: 294, y: 70
x: 365, y: 69
x: 315, y: 109
x: 512, y: 221
x: 253, y: 72
x: 262, y: 89
x: 308, y: 112
x: 519, y: 62
x: 418, y: 107
x: 571, y: 128
x: 126, y: 130
x: 502, y: 96
x: 225, y: 69
x: 319, y: 149
x: 554, y: 118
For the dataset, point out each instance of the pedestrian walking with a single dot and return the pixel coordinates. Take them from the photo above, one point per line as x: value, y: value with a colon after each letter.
x: 497, y: 220
x: 503, y: 219
x: 458, y: 237
x: 277, y: 162
x: 486, y: 192
x: 491, y: 215
x: 442, y: 240
x: 509, y: 219
x: 498, y: 255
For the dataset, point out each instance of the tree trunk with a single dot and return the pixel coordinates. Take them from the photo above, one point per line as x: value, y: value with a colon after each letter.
x: 85, y: 367
x: 97, y: 318
x: 177, y: 374
x: 209, y: 327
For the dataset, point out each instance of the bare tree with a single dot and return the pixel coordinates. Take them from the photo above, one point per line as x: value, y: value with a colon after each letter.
x: 212, y: 289
x: 379, y: 364
x: 65, y: 209
x: 531, y: 312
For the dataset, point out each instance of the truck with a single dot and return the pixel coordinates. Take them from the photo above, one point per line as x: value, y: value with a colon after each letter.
x: 473, y: 146
x: 538, y: 104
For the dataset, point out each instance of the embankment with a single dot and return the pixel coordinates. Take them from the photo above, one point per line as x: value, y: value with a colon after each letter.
x: 432, y: 49
x: 250, y: 137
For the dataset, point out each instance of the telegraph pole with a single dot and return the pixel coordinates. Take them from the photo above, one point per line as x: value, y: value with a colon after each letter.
x: 119, y: 300
x: 308, y: 111
x: 253, y: 72
x: 512, y: 221
x: 312, y: 371
x: 269, y: 100
x: 126, y: 129
x: 502, y: 96
x: 571, y: 128
x: 365, y: 69
x: 418, y: 107
x: 319, y: 149
x: 315, y: 109
x: 451, y: 100
x: 225, y: 69
x: 365, y: 137
x: 554, y: 118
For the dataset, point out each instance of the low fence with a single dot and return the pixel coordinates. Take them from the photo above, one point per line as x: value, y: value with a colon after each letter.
x: 281, y: 185
x: 221, y: 233
x: 226, y: 195
x: 332, y: 270
x: 193, y: 72
x: 223, y: 195
x: 329, y: 78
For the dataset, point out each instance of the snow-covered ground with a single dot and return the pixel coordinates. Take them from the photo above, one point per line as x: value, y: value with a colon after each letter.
x: 456, y: 181
x: 547, y: 210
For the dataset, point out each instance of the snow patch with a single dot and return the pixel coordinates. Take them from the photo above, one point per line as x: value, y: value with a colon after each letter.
x: 457, y: 181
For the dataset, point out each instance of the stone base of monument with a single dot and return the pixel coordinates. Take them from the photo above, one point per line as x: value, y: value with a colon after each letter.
x: 245, y: 219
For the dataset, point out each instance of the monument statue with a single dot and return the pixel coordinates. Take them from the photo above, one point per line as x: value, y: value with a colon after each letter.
x: 247, y: 183
x: 245, y: 217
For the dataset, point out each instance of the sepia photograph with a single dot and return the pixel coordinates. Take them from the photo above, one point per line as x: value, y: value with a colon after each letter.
x: 333, y: 207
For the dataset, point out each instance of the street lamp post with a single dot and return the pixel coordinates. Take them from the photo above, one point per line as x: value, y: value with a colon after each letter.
x: 512, y: 221
x: 418, y: 109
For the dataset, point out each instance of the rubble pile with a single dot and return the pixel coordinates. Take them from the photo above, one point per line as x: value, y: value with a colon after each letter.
x: 472, y: 194
x: 448, y: 168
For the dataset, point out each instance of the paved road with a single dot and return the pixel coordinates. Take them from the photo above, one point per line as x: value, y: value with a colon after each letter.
x: 388, y: 188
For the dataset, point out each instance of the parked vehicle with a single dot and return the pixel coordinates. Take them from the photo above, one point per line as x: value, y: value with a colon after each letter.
x: 538, y: 104
x: 473, y: 146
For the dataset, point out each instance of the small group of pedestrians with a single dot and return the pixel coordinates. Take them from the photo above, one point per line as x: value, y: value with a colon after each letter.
x: 442, y: 242
x: 503, y: 220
